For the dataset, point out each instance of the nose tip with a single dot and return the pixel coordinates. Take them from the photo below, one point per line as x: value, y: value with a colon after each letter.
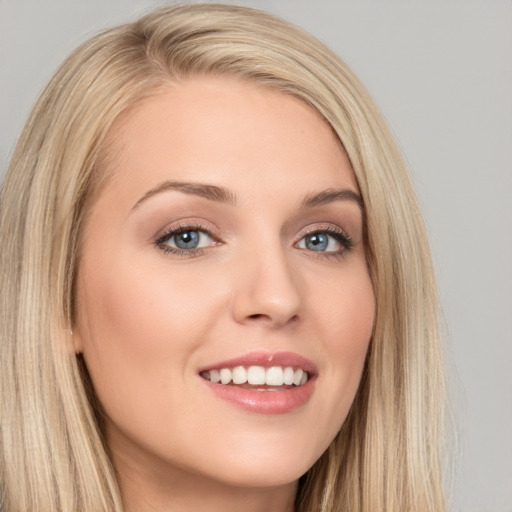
x: 267, y: 294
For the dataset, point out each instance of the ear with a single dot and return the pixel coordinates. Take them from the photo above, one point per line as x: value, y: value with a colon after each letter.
x: 75, y: 341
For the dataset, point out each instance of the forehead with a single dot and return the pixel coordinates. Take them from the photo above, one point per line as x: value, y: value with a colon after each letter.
x: 222, y: 129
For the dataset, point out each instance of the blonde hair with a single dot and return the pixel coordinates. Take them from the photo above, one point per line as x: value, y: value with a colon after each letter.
x: 386, y: 456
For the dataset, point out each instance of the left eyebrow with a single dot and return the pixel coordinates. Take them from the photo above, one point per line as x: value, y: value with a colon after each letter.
x: 331, y: 195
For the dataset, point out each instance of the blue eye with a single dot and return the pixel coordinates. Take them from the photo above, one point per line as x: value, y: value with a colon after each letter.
x: 317, y: 242
x: 186, y: 239
x: 325, y: 241
x: 182, y: 240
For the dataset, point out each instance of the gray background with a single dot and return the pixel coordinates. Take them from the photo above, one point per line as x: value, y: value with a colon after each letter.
x: 441, y: 72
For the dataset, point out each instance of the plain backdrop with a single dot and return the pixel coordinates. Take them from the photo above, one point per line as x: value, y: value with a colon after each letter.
x: 441, y: 71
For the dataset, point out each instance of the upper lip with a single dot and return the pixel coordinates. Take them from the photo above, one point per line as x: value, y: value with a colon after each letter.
x: 266, y: 359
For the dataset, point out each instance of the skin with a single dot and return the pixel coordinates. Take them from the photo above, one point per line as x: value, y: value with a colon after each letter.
x: 148, y: 319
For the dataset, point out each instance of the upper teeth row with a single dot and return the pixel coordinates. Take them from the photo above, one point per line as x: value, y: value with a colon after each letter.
x: 258, y: 375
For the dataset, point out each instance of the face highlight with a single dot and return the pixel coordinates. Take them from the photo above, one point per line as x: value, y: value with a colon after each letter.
x: 224, y: 302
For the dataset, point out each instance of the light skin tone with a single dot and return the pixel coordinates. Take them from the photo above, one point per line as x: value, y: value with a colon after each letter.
x: 279, y: 266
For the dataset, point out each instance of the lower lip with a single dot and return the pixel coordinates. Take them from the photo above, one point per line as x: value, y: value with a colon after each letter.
x: 264, y: 402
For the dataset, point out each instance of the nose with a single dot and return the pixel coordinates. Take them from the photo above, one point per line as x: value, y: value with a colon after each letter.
x: 266, y: 291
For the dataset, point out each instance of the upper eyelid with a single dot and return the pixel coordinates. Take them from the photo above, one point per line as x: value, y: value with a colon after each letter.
x: 184, y: 225
x: 323, y: 227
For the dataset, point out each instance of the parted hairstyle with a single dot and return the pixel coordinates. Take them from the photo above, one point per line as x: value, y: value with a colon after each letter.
x: 386, y: 456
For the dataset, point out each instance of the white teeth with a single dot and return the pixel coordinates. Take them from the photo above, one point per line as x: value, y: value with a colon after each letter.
x: 215, y: 376
x: 258, y: 376
x: 288, y: 375
x: 225, y: 376
x: 274, y: 376
x: 239, y: 375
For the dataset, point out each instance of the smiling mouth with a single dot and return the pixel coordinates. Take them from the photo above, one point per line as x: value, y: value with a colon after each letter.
x: 262, y: 382
x: 258, y: 378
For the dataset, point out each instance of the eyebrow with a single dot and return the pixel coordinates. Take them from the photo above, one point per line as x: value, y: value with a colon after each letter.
x: 223, y: 195
x: 210, y: 192
x: 331, y: 195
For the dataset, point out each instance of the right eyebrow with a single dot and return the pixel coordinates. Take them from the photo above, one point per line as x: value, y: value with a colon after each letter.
x: 207, y: 191
x: 331, y: 195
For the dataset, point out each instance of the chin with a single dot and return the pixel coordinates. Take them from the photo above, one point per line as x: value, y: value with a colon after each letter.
x: 265, y: 462
x: 263, y: 473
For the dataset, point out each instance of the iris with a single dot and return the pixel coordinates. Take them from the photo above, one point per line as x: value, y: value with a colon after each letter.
x: 187, y: 239
x: 317, y: 242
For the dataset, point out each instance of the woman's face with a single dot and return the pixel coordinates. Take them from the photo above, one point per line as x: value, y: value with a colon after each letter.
x: 227, y: 244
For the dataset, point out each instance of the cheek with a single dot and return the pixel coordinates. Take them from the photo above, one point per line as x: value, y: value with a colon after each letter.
x: 139, y: 332
x: 344, y: 307
x: 354, y: 326
x: 140, y: 327
x: 135, y: 309
x: 346, y: 321
x: 353, y: 320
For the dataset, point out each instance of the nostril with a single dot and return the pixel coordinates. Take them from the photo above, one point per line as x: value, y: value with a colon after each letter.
x: 262, y: 317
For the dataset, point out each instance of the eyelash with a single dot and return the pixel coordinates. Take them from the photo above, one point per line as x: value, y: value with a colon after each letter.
x: 183, y: 228
x: 335, y: 232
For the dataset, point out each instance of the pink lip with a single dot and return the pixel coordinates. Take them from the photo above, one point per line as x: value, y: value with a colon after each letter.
x: 266, y: 402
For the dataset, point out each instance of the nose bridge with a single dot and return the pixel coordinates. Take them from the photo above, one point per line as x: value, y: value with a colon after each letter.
x: 267, y: 290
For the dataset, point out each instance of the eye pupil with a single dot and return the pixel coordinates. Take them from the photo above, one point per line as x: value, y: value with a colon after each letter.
x: 187, y: 240
x: 317, y: 242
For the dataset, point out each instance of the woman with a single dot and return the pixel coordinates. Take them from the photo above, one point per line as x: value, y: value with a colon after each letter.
x: 217, y: 289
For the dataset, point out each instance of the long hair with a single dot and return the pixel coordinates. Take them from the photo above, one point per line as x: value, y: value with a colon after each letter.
x: 53, y: 457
